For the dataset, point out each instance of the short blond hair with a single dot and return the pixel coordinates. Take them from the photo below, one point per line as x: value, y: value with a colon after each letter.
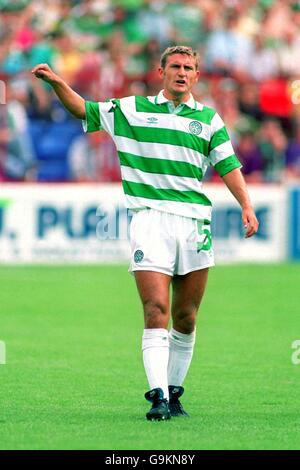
x: 179, y: 50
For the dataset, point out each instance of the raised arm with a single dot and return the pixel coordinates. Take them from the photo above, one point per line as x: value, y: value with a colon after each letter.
x: 235, y: 182
x: 73, y: 102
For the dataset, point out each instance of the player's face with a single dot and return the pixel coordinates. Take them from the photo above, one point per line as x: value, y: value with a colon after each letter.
x: 179, y: 76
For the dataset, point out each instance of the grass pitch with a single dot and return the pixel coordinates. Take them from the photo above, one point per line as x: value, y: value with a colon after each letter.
x: 74, y: 377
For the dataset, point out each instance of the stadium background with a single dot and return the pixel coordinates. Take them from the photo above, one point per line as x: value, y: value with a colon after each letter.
x: 61, y: 202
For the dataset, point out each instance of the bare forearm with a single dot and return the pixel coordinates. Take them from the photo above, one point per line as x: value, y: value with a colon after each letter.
x: 73, y: 102
x: 235, y: 182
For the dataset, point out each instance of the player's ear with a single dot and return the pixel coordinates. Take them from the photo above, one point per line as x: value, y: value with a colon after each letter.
x: 161, y: 72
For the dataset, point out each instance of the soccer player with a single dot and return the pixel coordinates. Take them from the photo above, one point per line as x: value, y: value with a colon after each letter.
x: 165, y: 144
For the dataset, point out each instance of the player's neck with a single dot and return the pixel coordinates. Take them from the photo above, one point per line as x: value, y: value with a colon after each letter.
x: 177, y: 99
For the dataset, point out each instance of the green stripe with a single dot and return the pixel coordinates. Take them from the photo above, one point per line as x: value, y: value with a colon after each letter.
x: 205, y: 116
x: 149, y: 192
x: 92, y: 116
x: 158, y: 135
x: 227, y: 165
x: 160, y: 166
x: 220, y: 137
x: 203, y: 221
x: 143, y: 105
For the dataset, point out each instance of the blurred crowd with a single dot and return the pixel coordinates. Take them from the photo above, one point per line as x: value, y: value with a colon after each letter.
x: 250, y: 72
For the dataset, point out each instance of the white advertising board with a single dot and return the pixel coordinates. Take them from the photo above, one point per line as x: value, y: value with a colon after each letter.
x: 269, y: 244
x: 47, y: 223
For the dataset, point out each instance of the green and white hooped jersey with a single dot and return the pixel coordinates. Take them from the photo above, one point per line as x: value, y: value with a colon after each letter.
x: 164, y: 152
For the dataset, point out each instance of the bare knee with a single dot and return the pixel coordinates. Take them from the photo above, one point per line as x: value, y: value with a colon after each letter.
x: 156, y: 314
x: 184, y: 321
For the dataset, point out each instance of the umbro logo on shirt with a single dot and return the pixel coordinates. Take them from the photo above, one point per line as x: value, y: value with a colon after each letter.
x: 152, y: 120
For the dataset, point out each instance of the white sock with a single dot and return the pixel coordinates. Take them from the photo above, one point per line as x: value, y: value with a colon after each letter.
x: 181, y: 347
x: 155, y: 346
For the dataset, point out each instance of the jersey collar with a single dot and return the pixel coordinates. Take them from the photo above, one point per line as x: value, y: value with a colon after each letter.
x: 160, y: 99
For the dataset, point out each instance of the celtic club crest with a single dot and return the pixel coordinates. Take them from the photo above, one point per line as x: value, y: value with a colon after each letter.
x: 195, y: 127
x: 138, y: 256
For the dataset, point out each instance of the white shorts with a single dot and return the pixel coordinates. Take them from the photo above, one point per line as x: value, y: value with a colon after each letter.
x: 169, y: 243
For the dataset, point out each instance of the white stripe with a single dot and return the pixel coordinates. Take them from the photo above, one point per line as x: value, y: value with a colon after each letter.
x: 216, y: 123
x: 197, y: 211
x: 128, y: 103
x: 164, y: 121
x: 161, y: 151
x: 106, y: 117
x: 160, y: 181
x: 221, y: 152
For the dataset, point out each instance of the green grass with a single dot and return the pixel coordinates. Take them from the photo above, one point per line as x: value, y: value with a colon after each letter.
x: 74, y: 377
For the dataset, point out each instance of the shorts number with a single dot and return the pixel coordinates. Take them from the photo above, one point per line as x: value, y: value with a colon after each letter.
x: 204, y: 233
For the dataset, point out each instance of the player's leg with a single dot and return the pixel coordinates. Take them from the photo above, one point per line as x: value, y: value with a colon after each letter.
x: 153, y: 260
x: 153, y: 288
x: 188, y: 292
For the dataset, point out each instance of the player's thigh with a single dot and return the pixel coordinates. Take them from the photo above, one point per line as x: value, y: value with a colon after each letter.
x: 153, y: 288
x: 188, y: 291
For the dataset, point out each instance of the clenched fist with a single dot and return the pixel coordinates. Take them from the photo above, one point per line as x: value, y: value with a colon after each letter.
x: 44, y: 72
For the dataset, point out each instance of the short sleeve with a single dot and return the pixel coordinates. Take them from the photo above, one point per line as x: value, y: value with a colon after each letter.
x: 221, y: 152
x: 99, y: 116
x: 92, y: 122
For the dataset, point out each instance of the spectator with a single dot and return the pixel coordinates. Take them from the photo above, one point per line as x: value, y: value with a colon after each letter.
x: 227, y: 50
x: 293, y: 157
x: 18, y: 160
x: 273, y: 146
x: 153, y: 23
x: 249, y: 52
x: 186, y: 21
x: 249, y: 100
x: 93, y: 158
x: 264, y: 60
x: 250, y: 157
